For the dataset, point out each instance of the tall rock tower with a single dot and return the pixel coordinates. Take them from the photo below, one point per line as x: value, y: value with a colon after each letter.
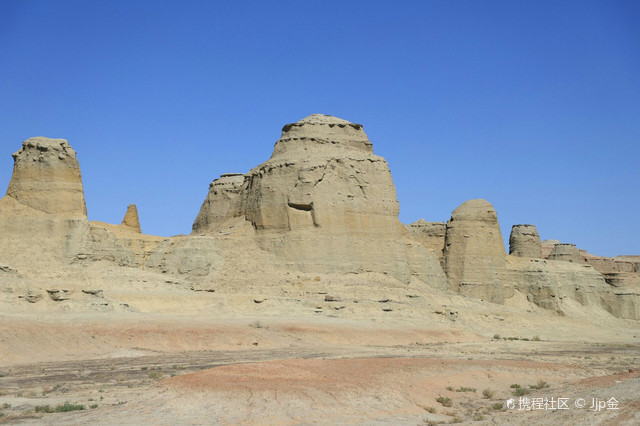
x: 46, y: 177
x: 474, y: 251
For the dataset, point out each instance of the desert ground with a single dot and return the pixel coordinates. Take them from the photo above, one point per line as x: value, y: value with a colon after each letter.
x: 167, y: 360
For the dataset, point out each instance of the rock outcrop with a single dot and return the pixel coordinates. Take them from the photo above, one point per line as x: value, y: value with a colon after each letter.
x: 322, y: 203
x: 46, y: 177
x: 474, y: 251
x: 131, y: 221
x: 566, y: 253
x: 223, y: 202
x: 524, y: 241
x: 431, y: 234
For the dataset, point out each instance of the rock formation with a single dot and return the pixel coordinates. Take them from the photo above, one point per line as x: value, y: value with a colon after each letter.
x: 222, y: 202
x: 323, y: 202
x: 474, y: 251
x: 46, y: 177
x: 324, y: 205
x: 524, y: 241
x: 431, y: 234
x: 566, y: 253
x: 131, y: 220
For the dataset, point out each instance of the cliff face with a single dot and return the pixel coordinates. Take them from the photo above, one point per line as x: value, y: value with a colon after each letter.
x: 474, y: 251
x: 324, y: 204
x: 46, y: 177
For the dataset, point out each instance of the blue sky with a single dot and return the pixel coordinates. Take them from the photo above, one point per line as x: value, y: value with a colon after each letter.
x: 534, y: 106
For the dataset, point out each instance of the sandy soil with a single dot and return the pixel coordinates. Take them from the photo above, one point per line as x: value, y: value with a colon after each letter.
x: 155, y: 369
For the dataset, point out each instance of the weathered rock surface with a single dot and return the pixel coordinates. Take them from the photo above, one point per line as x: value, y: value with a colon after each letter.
x: 46, y: 177
x: 547, y: 246
x: 474, y: 252
x: 431, y: 234
x: 566, y: 253
x: 223, y: 202
x: 524, y: 241
x: 131, y: 220
x: 323, y: 202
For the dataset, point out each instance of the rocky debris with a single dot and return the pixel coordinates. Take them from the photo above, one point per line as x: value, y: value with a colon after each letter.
x: 32, y: 296
x: 474, y: 252
x: 329, y: 298
x: 46, y: 177
x: 566, y: 253
x: 93, y: 292
x: 59, y: 295
x: 222, y: 202
x: 6, y: 269
x: 524, y: 241
x: 431, y: 234
x: 131, y: 220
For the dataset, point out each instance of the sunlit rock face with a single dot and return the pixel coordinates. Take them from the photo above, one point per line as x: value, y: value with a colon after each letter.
x: 46, y: 177
x: 474, y: 251
x: 524, y: 241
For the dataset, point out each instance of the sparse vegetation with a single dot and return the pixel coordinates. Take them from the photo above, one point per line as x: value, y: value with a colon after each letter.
x: 536, y: 338
x: 515, y: 386
x: 478, y: 417
x: 488, y: 394
x: 155, y: 375
x: 6, y: 406
x: 444, y: 400
x: 450, y: 388
x: 540, y: 385
x: 431, y: 422
x: 520, y: 391
x: 465, y: 389
x: 144, y: 368
x: 431, y: 410
x: 92, y: 406
x: 496, y: 336
x: 497, y: 406
x: 61, y: 408
x: 454, y: 420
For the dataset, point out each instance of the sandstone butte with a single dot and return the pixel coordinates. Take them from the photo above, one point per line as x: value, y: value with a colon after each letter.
x: 324, y: 205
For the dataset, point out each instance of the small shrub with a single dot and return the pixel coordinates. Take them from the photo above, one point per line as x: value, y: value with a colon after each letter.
x: 478, y: 417
x: 63, y: 408
x: 155, y: 375
x: 536, y: 338
x: 488, y: 394
x: 496, y: 337
x: 497, y: 406
x: 6, y: 406
x: 515, y: 386
x: 431, y: 410
x: 144, y: 368
x: 92, y: 406
x: 454, y: 420
x: 43, y: 409
x: 444, y: 400
x: 450, y: 388
x: 540, y: 385
x: 465, y: 389
x: 520, y: 392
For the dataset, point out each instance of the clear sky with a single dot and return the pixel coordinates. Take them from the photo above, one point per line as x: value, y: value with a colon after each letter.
x: 532, y: 105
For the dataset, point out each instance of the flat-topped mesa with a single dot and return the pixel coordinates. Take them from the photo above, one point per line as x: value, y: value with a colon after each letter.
x: 223, y: 202
x: 320, y: 134
x: 566, y: 253
x: 524, y: 241
x: 46, y: 177
x: 474, y: 251
x: 131, y: 220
